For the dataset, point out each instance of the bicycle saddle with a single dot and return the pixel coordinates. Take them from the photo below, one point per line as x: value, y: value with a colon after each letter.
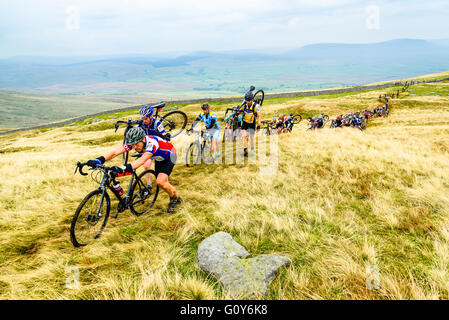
x: 159, y: 105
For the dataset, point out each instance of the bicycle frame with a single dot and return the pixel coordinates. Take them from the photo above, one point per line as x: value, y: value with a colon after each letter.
x: 124, y: 202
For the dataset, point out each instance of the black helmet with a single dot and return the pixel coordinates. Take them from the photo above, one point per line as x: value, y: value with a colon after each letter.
x: 204, y: 106
x: 249, y: 96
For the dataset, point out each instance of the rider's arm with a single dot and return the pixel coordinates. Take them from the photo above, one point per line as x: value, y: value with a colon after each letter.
x: 140, y: 161
x: 114, y: 153
x: 198, y: 119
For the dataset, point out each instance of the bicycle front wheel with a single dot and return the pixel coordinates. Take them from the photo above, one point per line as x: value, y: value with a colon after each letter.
x: 90, y: 218
x: 174, y: 122
x: 296, y: 118
x: 207, y: 152
x: 144, y: 193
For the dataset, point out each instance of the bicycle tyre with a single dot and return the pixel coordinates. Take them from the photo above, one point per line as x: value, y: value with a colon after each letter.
x: 140, y: 183
x: 296, y: 119
x: 75, y: 238
x: 193, y: 158
x: 172, y: 126
x: 206, y: 151
x: 259, y: 96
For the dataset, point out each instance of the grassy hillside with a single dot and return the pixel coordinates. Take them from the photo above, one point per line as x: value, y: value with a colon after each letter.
x: 23, y: 110
x: 340, y: 202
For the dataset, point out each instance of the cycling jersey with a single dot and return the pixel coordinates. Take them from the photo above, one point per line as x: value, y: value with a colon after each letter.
x: 249, y: 112
x: 156, y: 128
x: 210, y: 120
x: 160, y: 148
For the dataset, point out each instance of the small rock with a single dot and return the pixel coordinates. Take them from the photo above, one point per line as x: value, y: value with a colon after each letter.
x: 221, y: 256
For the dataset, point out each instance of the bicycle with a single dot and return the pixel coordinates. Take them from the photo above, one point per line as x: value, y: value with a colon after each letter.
x: 174, y: 123
x: 290, y: 123
x: 201, y: 148
x: 232, y: 125
x: 269, y: 127
x: 89, y: 220
x: 313, y: 124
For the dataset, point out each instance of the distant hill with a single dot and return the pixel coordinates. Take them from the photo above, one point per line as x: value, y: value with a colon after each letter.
x: 223, y: 73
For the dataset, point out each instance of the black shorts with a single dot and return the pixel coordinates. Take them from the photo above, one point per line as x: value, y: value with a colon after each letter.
x: 246, y: 126
x: 279, y: 125
x: 165, y: 166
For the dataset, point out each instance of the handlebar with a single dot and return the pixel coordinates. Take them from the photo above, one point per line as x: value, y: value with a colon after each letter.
x: 129, y: 123
x: 80, y: 166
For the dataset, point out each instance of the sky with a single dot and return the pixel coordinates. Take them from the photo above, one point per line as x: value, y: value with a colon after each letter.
x: 113, y: 27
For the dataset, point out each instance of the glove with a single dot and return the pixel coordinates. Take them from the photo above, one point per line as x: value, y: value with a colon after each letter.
x: 93, y: 163
x: 167, y: 137
x: 116, y: 170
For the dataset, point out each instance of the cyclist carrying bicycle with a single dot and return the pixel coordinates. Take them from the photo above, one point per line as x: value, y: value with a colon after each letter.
x: 163, y: 152
x: 289, y: 123
x: 280, y: 124
x: 251, y: 114
x: 212, y: 126
x: 152, y: 126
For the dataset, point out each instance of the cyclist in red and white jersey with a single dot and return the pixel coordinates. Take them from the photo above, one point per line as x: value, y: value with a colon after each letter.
x: 151, y: 147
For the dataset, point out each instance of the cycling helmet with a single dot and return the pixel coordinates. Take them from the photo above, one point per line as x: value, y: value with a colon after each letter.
x: 204, y: 106
x: 249, y: 96
x: 291, y: 114
x: 281, y: 115
x: 134, y: 135
x: 146, y: 111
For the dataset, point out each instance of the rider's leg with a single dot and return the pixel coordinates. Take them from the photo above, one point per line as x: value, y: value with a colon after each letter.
x: 245, y: 139
x: 252, y: 138
x: 147, y: 166
x: 162, y: 181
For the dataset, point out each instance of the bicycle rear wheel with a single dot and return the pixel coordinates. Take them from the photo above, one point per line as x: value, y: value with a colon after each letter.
x: 193, y: 154
x: 90, y: 218
x: 142, y: 197
x: 174, y: 122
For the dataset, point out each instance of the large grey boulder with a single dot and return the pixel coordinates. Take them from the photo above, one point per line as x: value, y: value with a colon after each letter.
x: 224, y: 258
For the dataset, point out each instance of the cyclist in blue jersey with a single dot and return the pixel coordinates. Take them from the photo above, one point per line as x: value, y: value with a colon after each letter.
x: 151, y: 126
x: 163, y: 152
x: 209, y: 118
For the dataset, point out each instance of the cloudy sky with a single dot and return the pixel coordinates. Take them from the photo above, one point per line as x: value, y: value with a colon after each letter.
x: 107, y: 27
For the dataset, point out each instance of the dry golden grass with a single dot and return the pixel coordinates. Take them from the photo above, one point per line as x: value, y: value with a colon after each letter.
x: 341, y: 202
